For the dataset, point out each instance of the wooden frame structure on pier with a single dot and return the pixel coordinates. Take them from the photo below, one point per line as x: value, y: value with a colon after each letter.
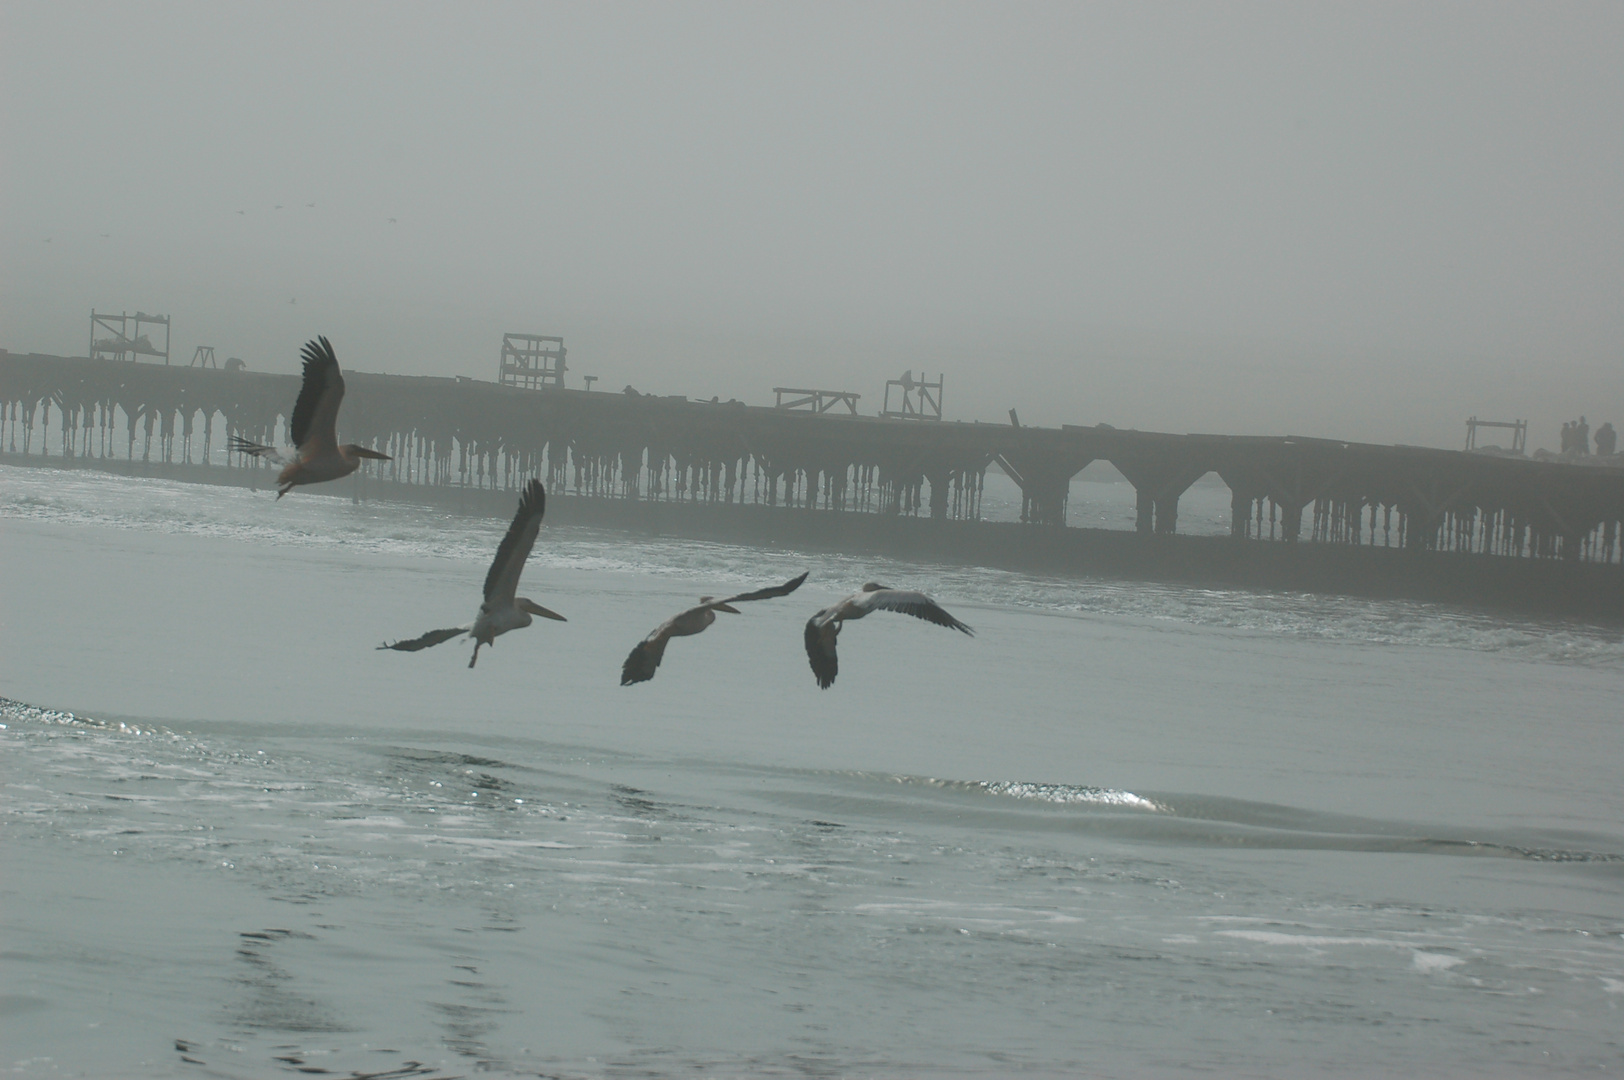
x: 1519, y: 432
x: 532, y: 361
x: 918, y: 399
x: 820, y: 401
x: 126, y: 340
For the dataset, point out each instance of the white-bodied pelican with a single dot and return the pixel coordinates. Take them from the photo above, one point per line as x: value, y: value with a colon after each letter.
x: 314, y: 428
x: 822, y: 628
x: 645, y: 657
x: 502, y: 610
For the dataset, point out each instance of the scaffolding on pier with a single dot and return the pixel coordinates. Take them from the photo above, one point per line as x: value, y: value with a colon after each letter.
x: 921, y: 399
x: 532, y: 361
x: 125, y: 339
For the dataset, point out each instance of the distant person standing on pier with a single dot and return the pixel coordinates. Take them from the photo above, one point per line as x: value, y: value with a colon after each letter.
x: 1606, y: 439
x: 1567, y: 436
x: 1581, y: 436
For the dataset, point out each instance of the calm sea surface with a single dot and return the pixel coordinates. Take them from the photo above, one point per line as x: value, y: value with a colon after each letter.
x: 1126, y: 830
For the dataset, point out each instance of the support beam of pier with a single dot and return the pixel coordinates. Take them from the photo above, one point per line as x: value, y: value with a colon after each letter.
x: 1158, y: 481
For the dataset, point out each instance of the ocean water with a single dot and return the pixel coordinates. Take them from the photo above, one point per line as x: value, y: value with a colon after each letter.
x: 1126, y: 830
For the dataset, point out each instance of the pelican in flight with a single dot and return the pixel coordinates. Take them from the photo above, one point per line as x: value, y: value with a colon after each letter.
x: 824, y: 627
x: 314, y: 428
x: 645, y: 657
x: 502, y: 610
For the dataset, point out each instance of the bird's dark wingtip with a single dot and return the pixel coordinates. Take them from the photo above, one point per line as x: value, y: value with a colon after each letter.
x: 824, y: 665
x: 638, y: 666
x: 319, y: 351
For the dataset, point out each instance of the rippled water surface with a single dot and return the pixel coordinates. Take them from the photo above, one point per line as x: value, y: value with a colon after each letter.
x: 1126, y: 830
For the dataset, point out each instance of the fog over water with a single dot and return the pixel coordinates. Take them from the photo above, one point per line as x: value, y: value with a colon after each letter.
x: 1359, y: 220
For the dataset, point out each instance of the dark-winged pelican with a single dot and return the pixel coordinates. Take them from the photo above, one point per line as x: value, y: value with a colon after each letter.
x: 502, y: 610
x: 822, y: 628
x: 645, y: 657
x: 314, y: 428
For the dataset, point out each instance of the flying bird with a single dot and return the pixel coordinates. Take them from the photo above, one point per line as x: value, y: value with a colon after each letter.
x: 645, y: 657
x: 502, y: 610
x: 824, y: 627
x: 314, y: 428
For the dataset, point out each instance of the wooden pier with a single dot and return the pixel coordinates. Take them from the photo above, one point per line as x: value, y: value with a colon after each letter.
x: 473, y: 435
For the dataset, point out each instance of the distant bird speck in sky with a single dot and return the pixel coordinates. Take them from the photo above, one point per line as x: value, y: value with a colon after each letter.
x: 391, y: 221
x: 105, y: 235
x: 242, y: 211
x: 293, y: 300
x: 310, y: 204
x: 279, y: 206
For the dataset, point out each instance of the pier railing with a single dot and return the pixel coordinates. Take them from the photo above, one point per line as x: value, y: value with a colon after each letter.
x: 464, y: 432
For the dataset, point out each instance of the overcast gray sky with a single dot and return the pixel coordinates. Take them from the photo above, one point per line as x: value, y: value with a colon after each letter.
x: 1364, y: 220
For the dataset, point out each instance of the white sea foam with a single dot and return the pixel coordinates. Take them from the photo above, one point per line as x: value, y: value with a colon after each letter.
x: 1309, y: 941
x: 1067, y: 794
x: 1430, y: 963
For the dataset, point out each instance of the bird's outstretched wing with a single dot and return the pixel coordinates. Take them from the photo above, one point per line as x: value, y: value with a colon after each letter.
x: 502, y: 580
x: 644, y: 659
x: 241, y: 445
x: 315, y: 414
x: 433, y: 637
x: 916, y: 604
x: 765, y: 594
x: 820, y: 649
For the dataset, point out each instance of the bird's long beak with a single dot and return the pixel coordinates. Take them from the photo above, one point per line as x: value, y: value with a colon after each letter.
x: 536, y: 609
x: 361, y: 451
x: 729, y: 608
